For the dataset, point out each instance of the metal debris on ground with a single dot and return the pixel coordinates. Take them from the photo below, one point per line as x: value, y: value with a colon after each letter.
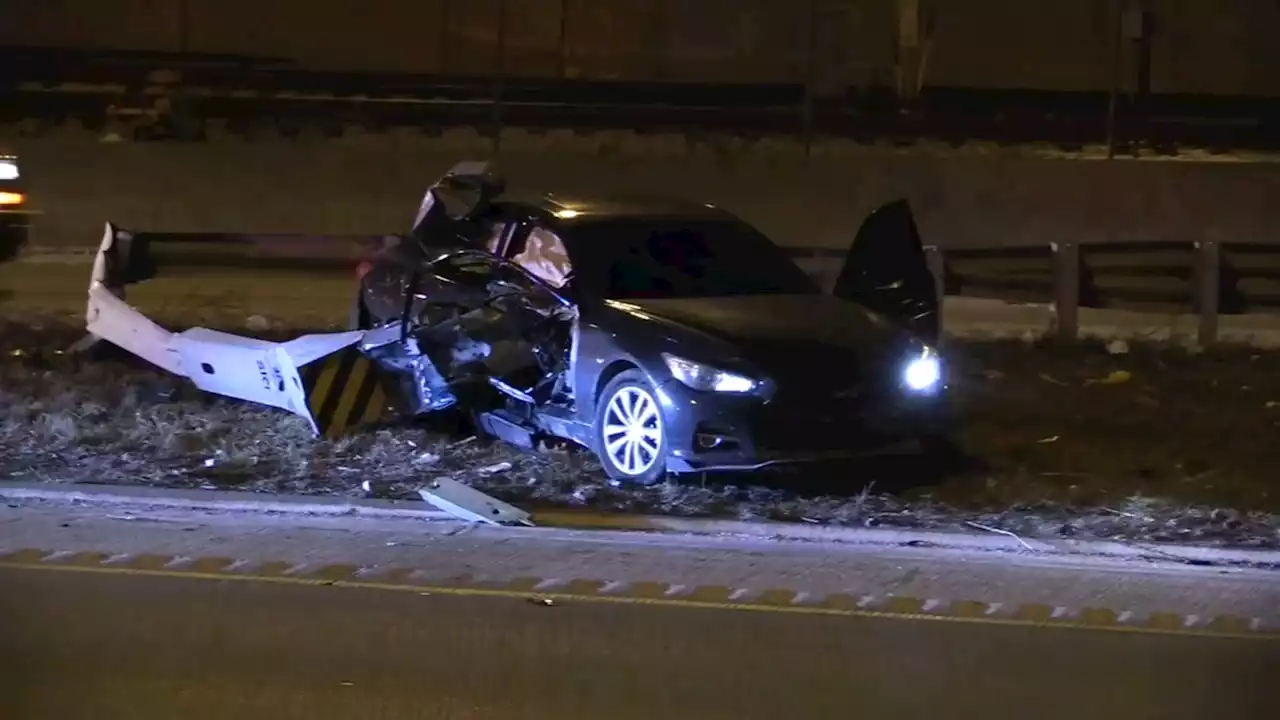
x: 471, y: 505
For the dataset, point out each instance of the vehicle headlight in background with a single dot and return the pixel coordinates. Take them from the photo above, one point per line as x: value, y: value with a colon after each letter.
x: 923, y: 373
x: 8, y: 170
x: 707, y: 378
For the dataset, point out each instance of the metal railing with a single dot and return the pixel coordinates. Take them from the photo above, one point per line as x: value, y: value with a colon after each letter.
x: 1207, y: 278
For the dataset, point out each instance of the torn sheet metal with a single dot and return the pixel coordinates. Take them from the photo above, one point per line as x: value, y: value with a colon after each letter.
x: 260, y: 371
x: 467, y: 188
x: 468, y: 504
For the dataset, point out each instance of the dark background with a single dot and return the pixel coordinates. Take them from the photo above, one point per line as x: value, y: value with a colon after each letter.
x: 1220, y: 47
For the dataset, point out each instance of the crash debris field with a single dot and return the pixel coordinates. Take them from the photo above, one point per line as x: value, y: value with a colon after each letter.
x: 263, y: 379
x: 1125, y: 441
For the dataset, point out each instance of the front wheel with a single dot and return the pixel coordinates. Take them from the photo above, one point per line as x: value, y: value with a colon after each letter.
x: 630, y: 436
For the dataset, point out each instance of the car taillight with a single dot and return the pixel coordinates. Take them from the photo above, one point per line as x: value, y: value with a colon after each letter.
x: 12, y: 198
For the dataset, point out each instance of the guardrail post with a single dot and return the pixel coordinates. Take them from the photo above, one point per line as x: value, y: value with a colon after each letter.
x: 1208, y: 290
x: 1066, y: 290
x: 938, y: 268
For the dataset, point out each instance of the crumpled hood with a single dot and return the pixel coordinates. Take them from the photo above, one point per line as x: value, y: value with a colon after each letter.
x: 789, y: 333
x: 747, y: 318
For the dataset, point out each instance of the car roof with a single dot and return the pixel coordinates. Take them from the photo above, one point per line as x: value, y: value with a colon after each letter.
x: 566, y: 210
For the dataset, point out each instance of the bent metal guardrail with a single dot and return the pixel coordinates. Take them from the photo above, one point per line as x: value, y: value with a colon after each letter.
x: 1207, y: 278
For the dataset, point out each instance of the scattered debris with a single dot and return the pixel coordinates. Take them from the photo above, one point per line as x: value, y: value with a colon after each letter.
x: 495, y: 468
x: 1106, y: 474
x: 471, y: 505
x: 1115, y: 377
x: 257, y: 323
x: 425, y: 457
x: 998, y: 531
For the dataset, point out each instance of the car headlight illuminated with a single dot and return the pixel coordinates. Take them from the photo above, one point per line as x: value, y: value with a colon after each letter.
x: 8, y: 170
x: 923, y: 373
x: 707, y: 378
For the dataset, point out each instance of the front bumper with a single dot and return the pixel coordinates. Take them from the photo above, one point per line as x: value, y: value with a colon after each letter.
x: 711, y: 431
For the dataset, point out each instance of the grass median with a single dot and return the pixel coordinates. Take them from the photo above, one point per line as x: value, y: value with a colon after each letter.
x: 1139, y: 442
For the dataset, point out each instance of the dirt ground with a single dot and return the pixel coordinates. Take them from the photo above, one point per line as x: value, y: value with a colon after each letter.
x: 1137, y: 442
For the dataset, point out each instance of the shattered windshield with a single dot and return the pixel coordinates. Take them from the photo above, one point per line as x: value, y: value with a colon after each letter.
x: 635, y: 258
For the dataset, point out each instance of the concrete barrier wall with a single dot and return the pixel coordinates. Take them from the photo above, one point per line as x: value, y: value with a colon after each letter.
x: 372, y: 184
x: 1197, y: 46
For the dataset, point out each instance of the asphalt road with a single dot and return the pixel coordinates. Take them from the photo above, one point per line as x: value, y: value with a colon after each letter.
x: 108, y: 645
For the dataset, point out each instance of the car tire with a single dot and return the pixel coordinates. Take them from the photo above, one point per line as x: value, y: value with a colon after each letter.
x: 640, y: 459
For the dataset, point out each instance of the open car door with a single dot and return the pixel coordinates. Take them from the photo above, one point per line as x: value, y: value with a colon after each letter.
x: 887, y: 271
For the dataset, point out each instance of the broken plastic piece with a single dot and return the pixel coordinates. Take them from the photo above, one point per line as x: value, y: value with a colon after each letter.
x: 467, y: 503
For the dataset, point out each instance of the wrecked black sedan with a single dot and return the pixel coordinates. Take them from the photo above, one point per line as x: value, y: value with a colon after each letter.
x: 665, y: 336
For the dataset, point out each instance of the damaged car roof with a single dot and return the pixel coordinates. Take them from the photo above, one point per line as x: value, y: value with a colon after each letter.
x: 566, y: 207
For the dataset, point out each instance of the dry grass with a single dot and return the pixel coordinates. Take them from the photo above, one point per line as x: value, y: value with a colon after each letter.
x: 1179, y: 451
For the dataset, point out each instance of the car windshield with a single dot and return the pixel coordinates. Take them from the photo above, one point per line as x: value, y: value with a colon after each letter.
x: 636, y: 258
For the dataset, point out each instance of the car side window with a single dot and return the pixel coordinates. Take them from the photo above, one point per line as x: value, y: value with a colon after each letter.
x: 544, y: 256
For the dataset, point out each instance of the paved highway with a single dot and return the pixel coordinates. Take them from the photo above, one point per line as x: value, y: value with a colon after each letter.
x: 154, y: 613
x: 104, y: 646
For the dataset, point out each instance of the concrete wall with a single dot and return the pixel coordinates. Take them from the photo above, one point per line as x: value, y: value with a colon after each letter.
x: 373, y: 184
x: 1224, y: 47
x: 1058, y: 44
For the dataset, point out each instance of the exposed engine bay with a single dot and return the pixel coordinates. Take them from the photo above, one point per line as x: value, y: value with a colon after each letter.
x: 504, y: 341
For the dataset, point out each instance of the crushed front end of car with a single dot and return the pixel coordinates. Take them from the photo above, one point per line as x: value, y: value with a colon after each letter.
x: 469, y: 330
x: 814, y: 410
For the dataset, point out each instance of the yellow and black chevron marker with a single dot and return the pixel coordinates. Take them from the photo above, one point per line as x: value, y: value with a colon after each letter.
x: 344, y: 390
